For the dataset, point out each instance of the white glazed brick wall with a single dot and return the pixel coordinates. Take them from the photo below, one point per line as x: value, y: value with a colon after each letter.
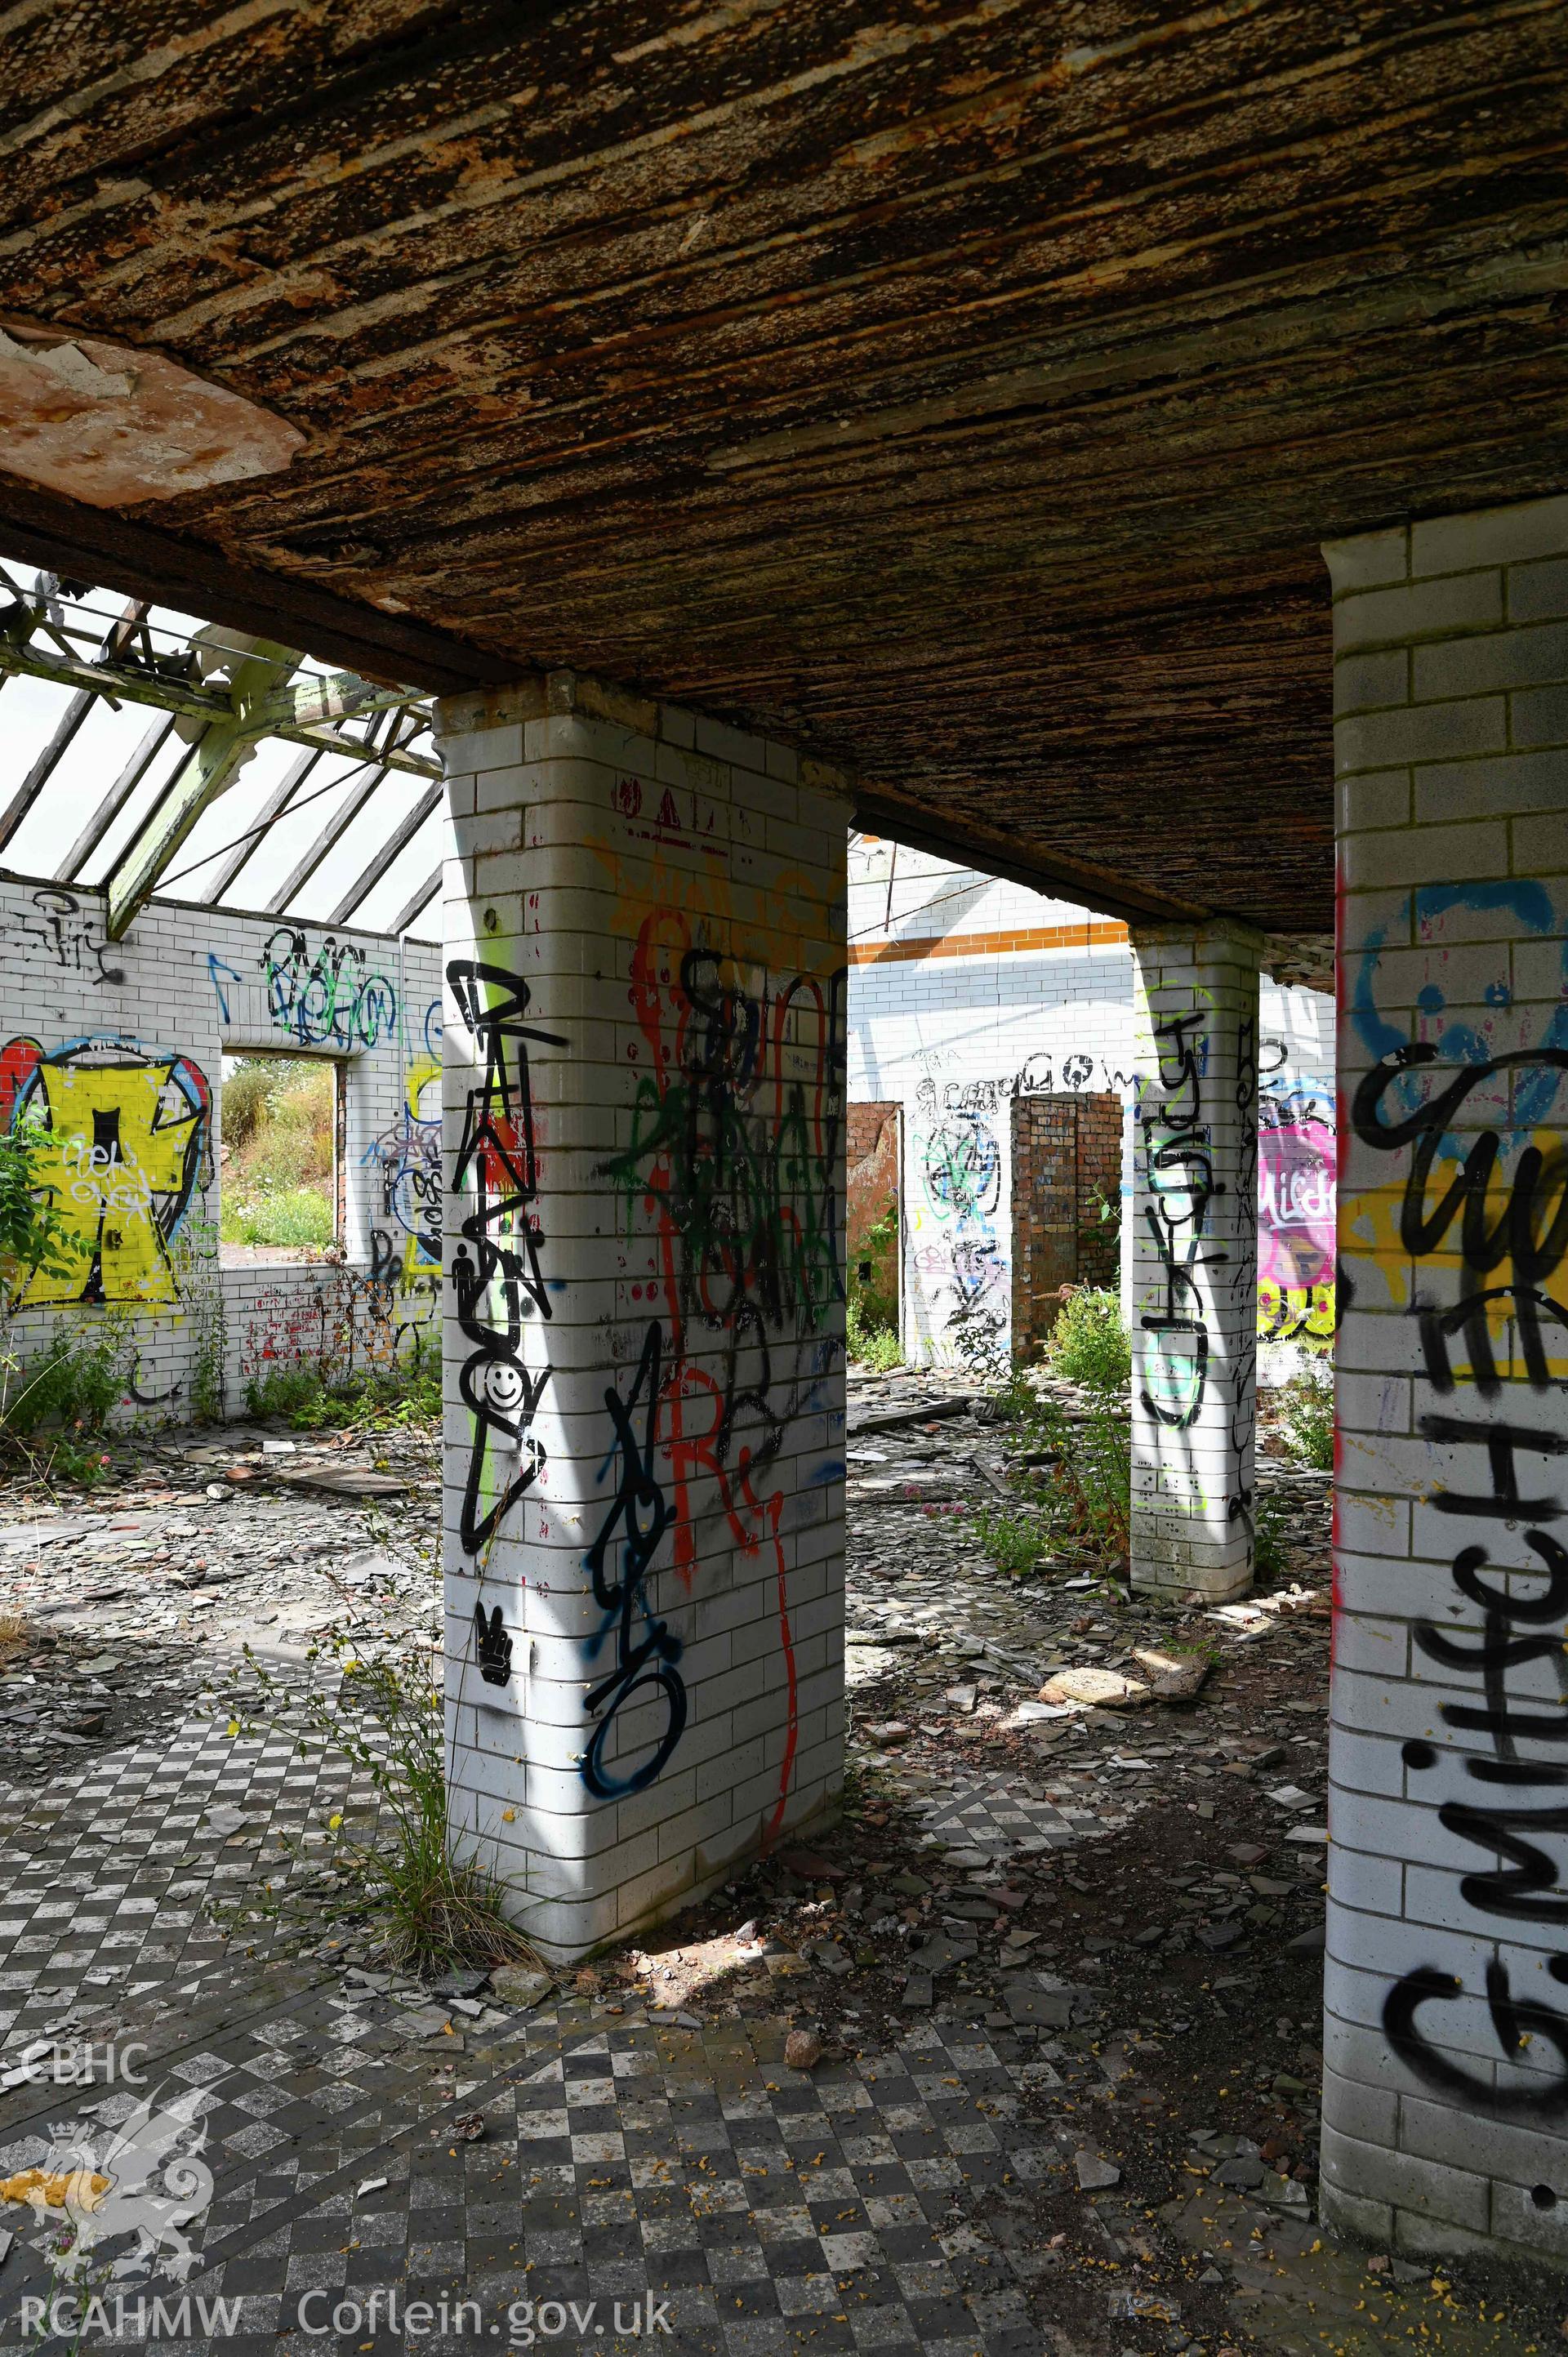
x: 599, y: 840
x: 954, y: 1038
x: 1195, y: 1259
x: 1445, y: 2112
x: 194, y: 983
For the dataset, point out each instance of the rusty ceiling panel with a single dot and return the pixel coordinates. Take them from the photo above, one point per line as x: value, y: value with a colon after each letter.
x: 961, y: 385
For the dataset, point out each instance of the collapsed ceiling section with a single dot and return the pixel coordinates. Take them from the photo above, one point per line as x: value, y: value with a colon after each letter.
x: 147, y: 751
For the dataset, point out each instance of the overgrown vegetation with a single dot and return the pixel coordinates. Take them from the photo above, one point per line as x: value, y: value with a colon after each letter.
x: 876, y: 1347
x: 385, y: 1716
x: 373, y: 1399
x: 54, y: 1412
x: 278, y: 1127
x: 871, y: 1316
x: 1078, y: 1492
x: 1091, y: 1487
x: 1306, y: 1409
x: 1089, y: 1343
x: 208, y: 1385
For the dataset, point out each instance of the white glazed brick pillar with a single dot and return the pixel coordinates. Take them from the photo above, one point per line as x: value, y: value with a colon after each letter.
x: 645, y: 944
x: 1445, y: 2109
x: 1194, y: 1256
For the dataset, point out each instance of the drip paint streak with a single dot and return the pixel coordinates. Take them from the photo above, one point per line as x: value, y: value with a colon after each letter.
x: 737, y: 1126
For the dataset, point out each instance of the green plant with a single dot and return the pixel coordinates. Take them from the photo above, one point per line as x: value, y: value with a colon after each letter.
x: 31, y: 1228
x: 296, y: 1394
x: 279, y: 1121
x: 1018, y: 1401
x: 1306, y: 1419
x: 1093, y: 1480
x: 873, y: 1277
x: 875, y: 1346
x: 55, y: 1413
x: 300, y: 1215
x: 1013, y: 1537
x: 1269, y: 1515
x: 1104, y: 1230
x: 870, y: 1312
x: 1089, y: 1343
x: 246, y: 1093
x: 437, y: 1913
x: 376, y: 1399
x: 207, y: 1387
x: 76, y: 1382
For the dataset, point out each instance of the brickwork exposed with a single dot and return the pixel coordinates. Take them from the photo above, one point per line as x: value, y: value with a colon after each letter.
x: 1067, y: 1161
x: 1195, y: 1259
x: 1445, y: 2112
x: 118, y: 1047
x: 872, y: 1202
x: 645, y: 1141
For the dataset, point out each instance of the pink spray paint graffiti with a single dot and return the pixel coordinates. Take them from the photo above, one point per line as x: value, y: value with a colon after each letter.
x: 1295, y: 1221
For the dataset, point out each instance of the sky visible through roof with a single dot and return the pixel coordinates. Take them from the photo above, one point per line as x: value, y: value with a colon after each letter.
x: 331, y: 792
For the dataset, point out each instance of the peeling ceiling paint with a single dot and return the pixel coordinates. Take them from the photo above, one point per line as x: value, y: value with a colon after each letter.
x: 115, y: 428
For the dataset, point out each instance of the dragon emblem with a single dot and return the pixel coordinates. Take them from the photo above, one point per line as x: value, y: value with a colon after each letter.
x: 148, y: 2179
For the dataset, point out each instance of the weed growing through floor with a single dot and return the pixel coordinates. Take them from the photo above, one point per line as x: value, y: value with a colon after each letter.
x: 207, y: 1375
x: 1270, y: 1515
x: 1080, y: 1495
x: 1306, y: 1408
x: 54, y: 1413
x: 1093, y: 1482
x: 377, y: 1399
x: 1015, y: 1537
x: 876, y: 1347
x: 1089, y: 1343
x: 432, y: 1914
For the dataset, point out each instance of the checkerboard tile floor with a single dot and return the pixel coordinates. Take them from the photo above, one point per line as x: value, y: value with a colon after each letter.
x: 989, y: 1812
x: 853, y: 2208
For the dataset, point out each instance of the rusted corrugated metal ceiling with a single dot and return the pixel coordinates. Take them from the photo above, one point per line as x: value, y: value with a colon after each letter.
x: 961, y: 385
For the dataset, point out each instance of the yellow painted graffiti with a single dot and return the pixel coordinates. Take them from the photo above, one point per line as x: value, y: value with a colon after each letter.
x: 1295, y: 1313
x: 126, y: 1133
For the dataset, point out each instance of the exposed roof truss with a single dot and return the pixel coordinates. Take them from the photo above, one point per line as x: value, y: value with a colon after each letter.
x: 345, y: 830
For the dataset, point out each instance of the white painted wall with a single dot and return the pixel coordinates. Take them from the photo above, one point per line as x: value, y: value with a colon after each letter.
x: 952, y: 1037
x: 135, y: 1033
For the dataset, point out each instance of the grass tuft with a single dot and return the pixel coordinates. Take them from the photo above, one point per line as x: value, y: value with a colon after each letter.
x: 433, y: 1913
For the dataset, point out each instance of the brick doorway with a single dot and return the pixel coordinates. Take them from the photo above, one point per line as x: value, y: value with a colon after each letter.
x: 872, y: 1221
x: 1066, y: 1163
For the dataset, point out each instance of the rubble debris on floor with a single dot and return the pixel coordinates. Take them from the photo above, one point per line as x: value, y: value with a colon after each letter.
x: 1020, y: 2057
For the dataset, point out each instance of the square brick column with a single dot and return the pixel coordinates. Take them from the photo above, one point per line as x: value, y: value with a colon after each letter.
x: 1445, y: 2108
x: 1195, y: 1257
x: 645, y: 951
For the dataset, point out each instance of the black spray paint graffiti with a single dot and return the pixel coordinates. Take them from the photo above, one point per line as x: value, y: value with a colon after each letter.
x: 961, y: 1176
x: 1243, y: 1275
x: 330, y: 997
x: 1036, y: 1076
x: 1523, y: 1247
x: 493, y: 1646
x: 1178, y: 1165
x: 496, y: 1272
x: 646, y: 1652
x: 64, y: 931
